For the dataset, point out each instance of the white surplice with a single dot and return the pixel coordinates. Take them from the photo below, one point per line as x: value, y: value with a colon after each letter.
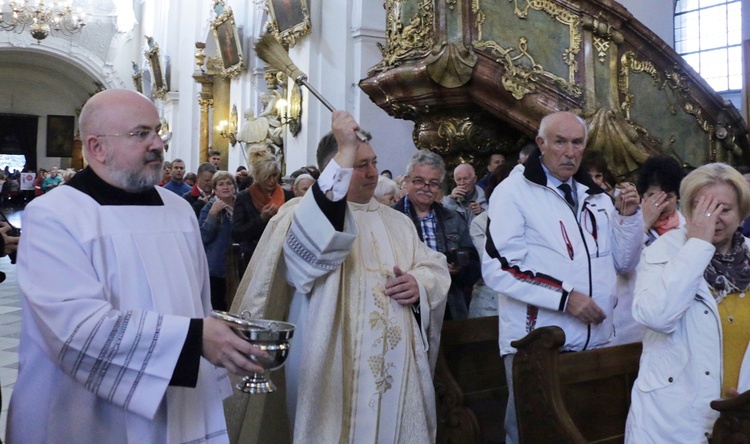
x: 360, y: 366
x: 108, y: 292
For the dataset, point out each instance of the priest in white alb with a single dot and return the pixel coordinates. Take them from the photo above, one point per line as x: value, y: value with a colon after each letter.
x: 368, y: 299
x: 115, y: 346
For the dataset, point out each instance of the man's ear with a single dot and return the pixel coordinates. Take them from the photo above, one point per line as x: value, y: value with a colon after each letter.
x: 94, y: 149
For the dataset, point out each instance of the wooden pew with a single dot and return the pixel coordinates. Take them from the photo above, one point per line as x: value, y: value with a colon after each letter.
x: 580, y: 397
x: 470, y: 383
x: 572, y: 397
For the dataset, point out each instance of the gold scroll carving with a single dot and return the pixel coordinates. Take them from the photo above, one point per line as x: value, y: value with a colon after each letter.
x: 674, y: 79
x: 564, y: 16
x: 405, y: 41
x: 518, y: 80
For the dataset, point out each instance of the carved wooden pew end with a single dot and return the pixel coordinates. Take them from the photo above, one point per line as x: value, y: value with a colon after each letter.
x: 572, y: 397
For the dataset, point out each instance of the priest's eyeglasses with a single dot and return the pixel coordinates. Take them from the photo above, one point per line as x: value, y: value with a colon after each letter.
x: 145, y: 136
x: 420, y: 183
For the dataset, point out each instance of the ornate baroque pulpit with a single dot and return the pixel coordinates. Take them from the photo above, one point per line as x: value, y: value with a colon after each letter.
x: 476, y: 77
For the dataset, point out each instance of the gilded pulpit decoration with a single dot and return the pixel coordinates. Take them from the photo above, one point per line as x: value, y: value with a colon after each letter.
x: 451, y: 65
x: 518, y: 80
x: 617, y: 140
x: 603, y: 35
x: 462, y: 135
x: 481, y: 16
x: 404, y: 41
x: 564, y: 16
x: 677, y: 81
x: 629, y: 64
x: 477, y: 76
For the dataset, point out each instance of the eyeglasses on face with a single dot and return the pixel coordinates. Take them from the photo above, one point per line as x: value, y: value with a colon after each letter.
x: 142, y: 136
x: 419, y: 182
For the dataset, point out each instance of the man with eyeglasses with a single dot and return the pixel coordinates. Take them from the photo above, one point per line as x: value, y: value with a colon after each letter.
x: 554, y: 245
x: 441, y: 229
x: 367, y: 298
x: 115, y: 343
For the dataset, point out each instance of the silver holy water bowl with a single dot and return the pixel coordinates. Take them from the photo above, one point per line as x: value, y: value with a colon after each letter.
x: 270, y: 336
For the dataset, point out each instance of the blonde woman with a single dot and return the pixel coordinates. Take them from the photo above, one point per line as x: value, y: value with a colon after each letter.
x: 690, y: 293
x: 256, y: 206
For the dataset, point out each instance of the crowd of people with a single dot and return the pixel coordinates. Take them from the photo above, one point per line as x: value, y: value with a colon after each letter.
x: 367, y: 267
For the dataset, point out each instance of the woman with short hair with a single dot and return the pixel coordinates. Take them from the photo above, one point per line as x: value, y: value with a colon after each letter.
x: 690, y: 294
x: 215, y: 221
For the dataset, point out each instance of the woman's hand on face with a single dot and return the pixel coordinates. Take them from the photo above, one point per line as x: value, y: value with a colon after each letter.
x: 651, y: 208
x: 702, y: 224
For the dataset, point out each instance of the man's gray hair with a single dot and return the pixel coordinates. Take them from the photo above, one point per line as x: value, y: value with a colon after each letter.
x: 546, y: 119
x: 206, y: 166
x: 427, y: 158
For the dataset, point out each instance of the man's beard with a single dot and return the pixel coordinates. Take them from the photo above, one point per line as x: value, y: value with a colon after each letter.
x: 135, y: 180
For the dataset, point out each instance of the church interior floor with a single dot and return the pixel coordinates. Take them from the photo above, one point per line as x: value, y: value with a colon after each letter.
x: 10, y: 326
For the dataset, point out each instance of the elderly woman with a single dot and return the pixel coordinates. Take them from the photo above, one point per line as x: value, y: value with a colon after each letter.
x: 386, y: 191
x: 690, y: 294
x: 256, y: 206
x: 215, y: 221
x: 658, y: 184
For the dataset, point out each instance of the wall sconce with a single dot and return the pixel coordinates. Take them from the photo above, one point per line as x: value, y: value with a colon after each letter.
x: 228, y: 129
x: 290, y: 112
x: 165, y: 134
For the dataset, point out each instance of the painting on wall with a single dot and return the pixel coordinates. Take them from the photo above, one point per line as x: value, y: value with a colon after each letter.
x: 18, y: 134
x: 60, y: 136
x: 289, y: 20
x: 228, y: 42
x: 153, y: 56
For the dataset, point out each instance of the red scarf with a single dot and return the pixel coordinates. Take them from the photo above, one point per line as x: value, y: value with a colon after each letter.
x: 670, y: 223
x: 260, y: 198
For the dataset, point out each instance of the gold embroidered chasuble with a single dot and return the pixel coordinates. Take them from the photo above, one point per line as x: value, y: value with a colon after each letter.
x: 363, y: 370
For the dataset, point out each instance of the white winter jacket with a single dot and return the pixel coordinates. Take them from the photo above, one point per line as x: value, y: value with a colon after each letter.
x: 538, y: 250
x: 681, y: 365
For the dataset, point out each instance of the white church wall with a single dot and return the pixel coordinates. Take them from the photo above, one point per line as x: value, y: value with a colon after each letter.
x: 657, y: 15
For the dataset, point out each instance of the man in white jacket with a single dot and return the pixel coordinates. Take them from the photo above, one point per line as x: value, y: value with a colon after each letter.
x: 555, y: 242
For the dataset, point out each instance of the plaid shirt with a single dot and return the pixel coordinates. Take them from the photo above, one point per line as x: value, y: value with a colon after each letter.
x: 428, y: 224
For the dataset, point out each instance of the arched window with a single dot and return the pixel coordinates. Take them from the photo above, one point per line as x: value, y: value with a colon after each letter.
x: 708, y: 34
